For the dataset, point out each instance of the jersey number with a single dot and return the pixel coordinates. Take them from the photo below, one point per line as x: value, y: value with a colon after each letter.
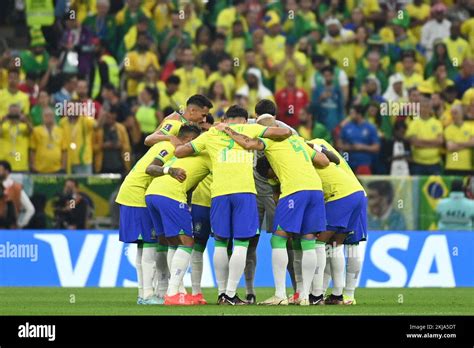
x: 299, y: 148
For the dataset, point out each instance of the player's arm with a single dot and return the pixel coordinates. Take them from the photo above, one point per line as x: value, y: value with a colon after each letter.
x: 184, y: 150
x: 156, y: 168
x: 241, y: 139
x: 320, y: 160
x: 158, y: 136
x: 329, y: 154
x: 277, y: 133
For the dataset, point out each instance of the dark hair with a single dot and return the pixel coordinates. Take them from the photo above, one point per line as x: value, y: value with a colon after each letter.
x: 457, y: 186
x: 6, y: 165
x: 318, y: 58
x: 209, y: 119
x: 399, y: 125
x: 265, y: 106
x: 327, y: 68
x: 153, y: 92
x: 360, y: 109
x: 224, y: 57
x: 200, y: 101
x: 263, y: 166
x: 383, y: 188
x: 450, y: 89
x: 211, y: 90
x: 168, y: 110
x: 173, y: 79
x: 187, y: 129
x: 76, y: 183
x: 200, y: 30
x: 114, y: 109
x: 108, y: 86
x: 235, y: 111
x: 440, y: 64
x: 220, y: 36
x: 408, y: 54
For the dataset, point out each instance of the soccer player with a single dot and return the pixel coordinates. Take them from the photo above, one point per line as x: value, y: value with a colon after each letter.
x: 300, y: 209
x: 346, y: 209
x: 135, y: 222
x: 233, y: 205
x: 166, y: 200
x: 197, y: 108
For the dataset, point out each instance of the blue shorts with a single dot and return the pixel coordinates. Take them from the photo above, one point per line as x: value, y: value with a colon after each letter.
x: 347, y: 215
x: 201, y: 221
x: 235, y: 216
x: 170, y: 218
x: 301, y: 212
x: 136, y: 224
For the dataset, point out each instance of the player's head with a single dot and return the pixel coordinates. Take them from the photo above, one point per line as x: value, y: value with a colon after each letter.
x: 380, y: 195
x: 264, y: 168
x: 267, y: 120
x: 188, y: 132
x: 207, y: 124
x: 265, y: 106
x: 5, y: 170
x: 197, y: 108
x: 457, y: 186
x: 236, y: 114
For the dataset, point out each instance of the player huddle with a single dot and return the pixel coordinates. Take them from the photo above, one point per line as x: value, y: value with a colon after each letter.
x: 234, y: 174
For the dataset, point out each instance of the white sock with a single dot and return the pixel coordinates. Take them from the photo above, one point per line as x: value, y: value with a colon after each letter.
x: 279, y: 263
x: 138, y: 265
x: 327, y: 276
x: 149, y: 269
x: 250, y: 266
x: 308, y: 268
x: 221, y: 267
x: 236, y: 269
x: 170, y: 255
x: 196, y: 271
x: 162, y: 273
x: 354, y: 263
x: 297, y: 257
x: 337, y: 269
x: 179, y: 266
x: 320, y: 266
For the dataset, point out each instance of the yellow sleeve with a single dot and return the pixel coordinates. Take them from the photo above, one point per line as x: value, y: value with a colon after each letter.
x: 33, y: 140
x: 223, y: 19
x: 438, y: 128
x: 169, y: 128
x: 199, y: 144
x: 411, y: 129
x: 154, y: 61
x: 166, y: 152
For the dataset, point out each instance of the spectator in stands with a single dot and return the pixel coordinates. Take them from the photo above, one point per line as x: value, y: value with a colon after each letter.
x: 439, y: 81
x: 327, y: 100
x: 35, y: 59
x: 170, y: 96
x: 7, y: 211
x: 360, y: 140
x: 458, y: 48
x: 102, y: 25
x: 291, y: 60
x: 224, y: 74
x: 411, y: 78
x: 395, y: 153
x: 12, y: 95
x: 219, y: 100
x: 305, y: 125
x: 230, y: 14
x: 66, y: 93
x: 436, y: 28
x: 290, y: 100
x: 36, y: 114
x: 193, y: 78
x: 374, y: 69
x: 14, y: 192
x: 382, y: 214
x: 71, y: 208
x: 112, y: 146
x: 106, y: 70
x: 254, y: 90
x: 15, y: 130
x: 440, y: 55
x: 174, y: 36
x: 83, y: 97
x: 465, y: 79
x: 456, y: 212
x: 210, y: 58
x: 459, y: 138
x: 425, y: 134
x: 148, y: 116
x: 48, y: 146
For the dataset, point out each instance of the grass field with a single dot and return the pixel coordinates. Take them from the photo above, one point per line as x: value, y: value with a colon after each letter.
x: 121, y: 301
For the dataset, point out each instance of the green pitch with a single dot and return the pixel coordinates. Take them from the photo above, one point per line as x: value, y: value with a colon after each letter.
x: 121, y: 301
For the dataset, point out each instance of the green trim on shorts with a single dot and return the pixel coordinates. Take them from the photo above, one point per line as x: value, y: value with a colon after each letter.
x: 172, y: 247
x: 148, y: 245
x: 242, y: 243
x: 320, y: 243
x: 278, y: 242
x: 199, y: 248
x: 188, y: 249
x: 161, y: 248
x: 308, y: 244
x: 221, y: 243
x: 296, y: 244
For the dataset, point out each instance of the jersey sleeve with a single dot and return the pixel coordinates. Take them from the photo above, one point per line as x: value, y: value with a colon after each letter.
x: 199, y: 144
x: 166, y: 153
x: 257, y: 131
x: 169, y: 128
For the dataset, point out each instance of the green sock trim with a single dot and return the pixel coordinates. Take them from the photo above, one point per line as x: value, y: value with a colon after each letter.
x: 188, y: 249
x: 221, y: 243
x: 296, y: 244
x: 161, y: 248
x: 242, y: 243
x: 307, y: 244
x: 278, y: 242
x: 172, y: 247
x: 149, y: 245
x: 140, y: 245
x: 198, y: 247
x: 319, y: 243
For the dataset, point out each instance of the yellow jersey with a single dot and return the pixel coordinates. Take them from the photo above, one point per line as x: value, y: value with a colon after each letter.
x: 191, y: 81
x: 196, y: 167
x: 468, y: 96
x: 49, y: 148
x: 202, y: 193
x: 292, y: 162
x: 428, y: 129
x: 232, y: 166
x: 138, y: 62
x: 280, y: 79
x: 228, y: 81
x: 132, y: 190
x: 170, y: 126
x: 459, y: 159
x: 7, y: 99
x: 338, y: 180
x: 79, y: 137
x: 458, y: 50
x: 14, y: 143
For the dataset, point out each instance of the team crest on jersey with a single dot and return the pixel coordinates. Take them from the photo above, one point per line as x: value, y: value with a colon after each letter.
x: 163, y: 153
x: 167, y: 127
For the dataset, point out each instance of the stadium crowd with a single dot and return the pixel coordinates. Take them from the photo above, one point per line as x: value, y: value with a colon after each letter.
x: 389, y: 83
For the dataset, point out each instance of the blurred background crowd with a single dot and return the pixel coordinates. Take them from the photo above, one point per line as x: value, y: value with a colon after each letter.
x: 390, y: 83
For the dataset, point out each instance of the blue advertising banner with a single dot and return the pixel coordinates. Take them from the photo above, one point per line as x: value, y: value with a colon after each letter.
x: 97, y: 259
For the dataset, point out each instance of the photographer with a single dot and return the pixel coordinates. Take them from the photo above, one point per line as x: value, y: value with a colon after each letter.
x: 70, y: 209
x: 7, y: 211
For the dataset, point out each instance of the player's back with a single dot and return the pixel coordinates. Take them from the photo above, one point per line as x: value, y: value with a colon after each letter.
x: 232, y: 165
x: 292, y: 161
x: 338, y: 179
x: 196, y: 167
x: 455, y: 212
x: 132, y: 190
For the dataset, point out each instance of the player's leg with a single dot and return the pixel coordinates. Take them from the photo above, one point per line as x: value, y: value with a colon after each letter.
x: 162, y: 270
x: 337, y: 262
x: 326, y: 277
x: 250, y: 267
x: 244, y: 219
x: 290, y: 268
x: 138, y: 266
x: 220, y: 222
x: 297, y: 257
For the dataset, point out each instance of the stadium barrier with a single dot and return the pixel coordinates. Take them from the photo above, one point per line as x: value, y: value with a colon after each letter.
x: 96, y: 258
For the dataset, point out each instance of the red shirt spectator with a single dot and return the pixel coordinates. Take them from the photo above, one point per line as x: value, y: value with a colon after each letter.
x: 290, y: 100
